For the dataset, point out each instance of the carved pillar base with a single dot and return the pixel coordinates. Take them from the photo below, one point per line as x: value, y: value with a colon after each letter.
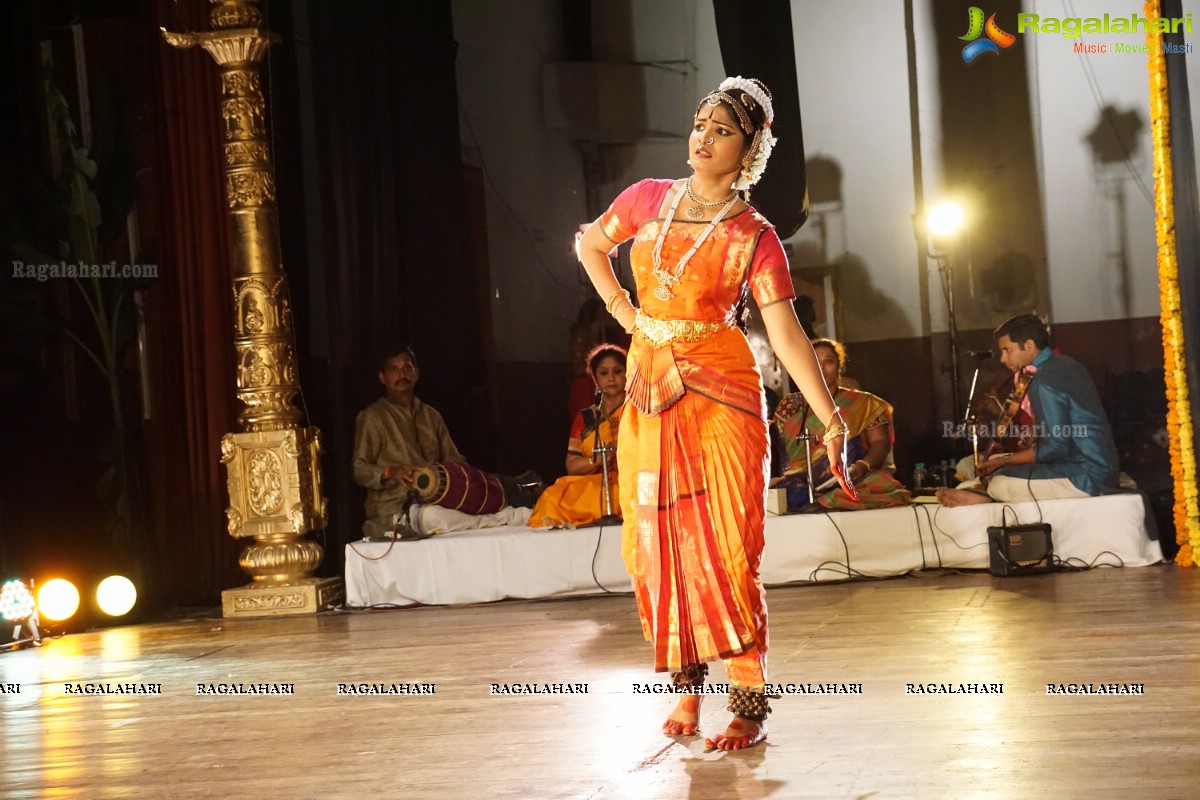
x: 275, y: 500
x: 274, y: 485
x: 307, y: 596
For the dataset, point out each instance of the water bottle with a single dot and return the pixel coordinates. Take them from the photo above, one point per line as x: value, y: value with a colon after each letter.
x: 919, y: 476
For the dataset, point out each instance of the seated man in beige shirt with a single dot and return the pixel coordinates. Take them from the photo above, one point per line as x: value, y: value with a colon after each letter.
x: 396, y: 435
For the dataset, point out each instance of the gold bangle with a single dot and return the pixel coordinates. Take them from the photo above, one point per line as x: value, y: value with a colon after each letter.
x: 833, y: 433
x: 866, y: 465
x: 616, y: 312
x: 632, y: 325
x: 628, y: 304
x: 610, y: 303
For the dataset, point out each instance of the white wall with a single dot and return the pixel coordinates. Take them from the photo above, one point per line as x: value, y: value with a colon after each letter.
x: 691, y: 29
x: 1082, y: 224
x: 854, y: 102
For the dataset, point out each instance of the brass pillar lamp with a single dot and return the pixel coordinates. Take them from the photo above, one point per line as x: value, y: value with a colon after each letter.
x: 274, y: 471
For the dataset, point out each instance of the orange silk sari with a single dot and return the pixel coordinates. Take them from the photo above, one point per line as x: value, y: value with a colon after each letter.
x: 693, y: 450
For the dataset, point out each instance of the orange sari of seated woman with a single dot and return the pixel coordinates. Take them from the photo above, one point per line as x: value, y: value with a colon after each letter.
x: 576, y: 500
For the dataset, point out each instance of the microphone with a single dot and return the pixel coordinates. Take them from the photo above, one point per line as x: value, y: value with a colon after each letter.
x: 599, y: 412
x: 980, y: 354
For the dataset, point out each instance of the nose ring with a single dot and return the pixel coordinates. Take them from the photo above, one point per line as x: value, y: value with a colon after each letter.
x: 709, y: 140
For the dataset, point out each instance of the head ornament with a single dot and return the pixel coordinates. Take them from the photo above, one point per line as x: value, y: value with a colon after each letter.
x: 750, y: 90
x: 743, y: 95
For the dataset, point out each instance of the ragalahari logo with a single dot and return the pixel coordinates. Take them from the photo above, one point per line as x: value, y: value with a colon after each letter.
x: 996, y: 37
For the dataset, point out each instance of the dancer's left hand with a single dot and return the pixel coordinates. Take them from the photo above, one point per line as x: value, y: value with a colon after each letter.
x: 838, y: 464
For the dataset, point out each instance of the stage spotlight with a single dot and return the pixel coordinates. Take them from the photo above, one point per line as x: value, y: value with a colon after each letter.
x: 16, y: 601
x: 18, y: 607
x: 945, y: 219
x: 116, y: 595
x: 58, y: 599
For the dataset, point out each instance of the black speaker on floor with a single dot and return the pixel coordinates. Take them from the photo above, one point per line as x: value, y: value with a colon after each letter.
x: 1020, y: 549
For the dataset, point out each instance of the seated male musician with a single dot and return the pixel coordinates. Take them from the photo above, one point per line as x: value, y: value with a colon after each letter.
x: 1074, y: 454
x: 397, y: 435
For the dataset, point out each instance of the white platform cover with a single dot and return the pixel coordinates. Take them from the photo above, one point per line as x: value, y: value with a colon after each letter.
x: 485, y: 565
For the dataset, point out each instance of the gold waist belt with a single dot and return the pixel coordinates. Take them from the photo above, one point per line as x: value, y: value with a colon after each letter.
x: 659, y: 332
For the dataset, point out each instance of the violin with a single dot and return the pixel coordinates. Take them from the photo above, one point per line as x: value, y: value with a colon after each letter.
x: 1012, y: 429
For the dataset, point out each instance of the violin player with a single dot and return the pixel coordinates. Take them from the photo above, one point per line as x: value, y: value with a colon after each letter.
x: 1073, y: 454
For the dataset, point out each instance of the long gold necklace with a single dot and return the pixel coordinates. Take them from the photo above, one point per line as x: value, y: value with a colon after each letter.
x: 697, y: 211
x: 667, y: 280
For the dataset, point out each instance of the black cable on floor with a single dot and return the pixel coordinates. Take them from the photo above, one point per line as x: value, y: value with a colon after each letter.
x: 851, y: 573
x: 595, y: 579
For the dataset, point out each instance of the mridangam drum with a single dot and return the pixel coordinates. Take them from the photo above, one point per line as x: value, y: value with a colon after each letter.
x: 461, y: 487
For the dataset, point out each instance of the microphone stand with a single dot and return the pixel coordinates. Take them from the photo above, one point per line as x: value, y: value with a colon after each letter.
x: 603, y: 449
x: 806, y: 437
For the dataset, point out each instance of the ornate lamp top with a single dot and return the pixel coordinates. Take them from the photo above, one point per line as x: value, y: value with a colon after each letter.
x: 237, y: 36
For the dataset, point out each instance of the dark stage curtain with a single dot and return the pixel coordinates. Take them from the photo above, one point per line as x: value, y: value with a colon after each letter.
x: 364, y: 108
x: 758, y: 44
x: 189, y: 321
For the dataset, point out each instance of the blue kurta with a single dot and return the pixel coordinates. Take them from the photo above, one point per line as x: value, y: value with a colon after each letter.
x: 1074, y: 438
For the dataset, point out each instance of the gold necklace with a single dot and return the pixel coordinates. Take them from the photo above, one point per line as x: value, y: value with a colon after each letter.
x: 667, y: 280
x: 697, y: 210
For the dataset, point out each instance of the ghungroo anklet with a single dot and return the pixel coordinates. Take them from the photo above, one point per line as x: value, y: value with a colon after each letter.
x: 690, y: 677
x: 748, y: 704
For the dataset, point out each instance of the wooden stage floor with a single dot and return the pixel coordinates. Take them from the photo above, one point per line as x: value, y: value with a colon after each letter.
x: 1109, y: 626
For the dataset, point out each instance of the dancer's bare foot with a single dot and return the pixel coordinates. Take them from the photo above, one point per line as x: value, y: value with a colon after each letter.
x: 685, y: 719
x: 960, y: 497
x: 740, y: 734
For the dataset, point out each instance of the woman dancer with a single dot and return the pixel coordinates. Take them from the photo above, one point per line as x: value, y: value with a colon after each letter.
x: 577, y: 498
x: 693, y: 445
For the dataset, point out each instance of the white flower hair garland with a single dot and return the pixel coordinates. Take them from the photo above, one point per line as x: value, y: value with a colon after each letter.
x: 764, y: 141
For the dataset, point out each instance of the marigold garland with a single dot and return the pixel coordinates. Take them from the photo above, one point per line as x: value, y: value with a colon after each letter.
x: 1179, y: 414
